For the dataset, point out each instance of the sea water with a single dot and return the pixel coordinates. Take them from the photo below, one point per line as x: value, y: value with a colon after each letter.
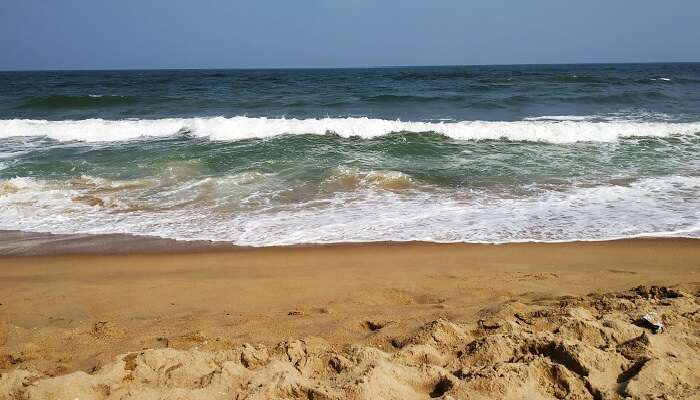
x: 279, y: 157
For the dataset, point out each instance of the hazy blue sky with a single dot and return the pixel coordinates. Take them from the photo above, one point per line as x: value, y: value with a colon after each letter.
x: 55, y: 34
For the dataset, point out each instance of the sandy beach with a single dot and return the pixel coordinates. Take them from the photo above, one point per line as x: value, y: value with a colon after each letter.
x: 384, y: 320
x: 363, y: 200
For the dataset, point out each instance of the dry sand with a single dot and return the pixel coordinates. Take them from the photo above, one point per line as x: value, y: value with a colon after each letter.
x: 376, y: 321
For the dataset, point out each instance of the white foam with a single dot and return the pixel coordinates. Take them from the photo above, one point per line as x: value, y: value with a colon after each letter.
x: 664, y: 206
x: 561, y: 118
x: 238, y: 128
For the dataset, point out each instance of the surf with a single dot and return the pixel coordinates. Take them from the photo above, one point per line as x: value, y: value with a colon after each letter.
x: 243, y: 127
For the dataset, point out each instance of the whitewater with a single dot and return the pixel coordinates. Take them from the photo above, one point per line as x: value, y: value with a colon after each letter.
x: 242, y: 127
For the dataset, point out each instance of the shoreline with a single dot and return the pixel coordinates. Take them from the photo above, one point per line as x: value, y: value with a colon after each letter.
x: 35, y: 244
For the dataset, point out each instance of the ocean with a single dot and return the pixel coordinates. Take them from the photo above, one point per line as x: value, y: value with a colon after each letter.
x: 488, y: 154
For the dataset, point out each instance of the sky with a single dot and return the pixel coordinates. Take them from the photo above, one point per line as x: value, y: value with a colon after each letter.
x: 144, y: 34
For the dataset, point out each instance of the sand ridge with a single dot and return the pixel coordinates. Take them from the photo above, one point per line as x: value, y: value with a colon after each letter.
x: 588, y: 347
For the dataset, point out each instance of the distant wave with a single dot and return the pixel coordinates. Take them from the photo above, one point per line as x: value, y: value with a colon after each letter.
x: 584, y: 79
x: 61, y: 101
x: 238, y: 128
x: 391, y: 98
x: 624, y: 99
x: 629, y: 98
x: 90, y: 101
x: 434, y: 75
x: 503, y: 103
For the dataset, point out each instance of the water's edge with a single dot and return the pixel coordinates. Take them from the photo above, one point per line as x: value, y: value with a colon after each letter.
x: 40, y: 244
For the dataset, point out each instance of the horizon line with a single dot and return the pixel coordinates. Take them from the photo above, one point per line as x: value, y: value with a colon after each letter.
x: 337, y: 68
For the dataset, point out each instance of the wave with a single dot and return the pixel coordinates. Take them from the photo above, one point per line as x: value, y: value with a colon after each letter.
x: 362, y: 213
x: 351, y: 179
x: 584, y: 79
x: 396, y: 98
x: 561, y: 118
x: 434, y: 75
x: 239, y: 128
x: 617, y: 117
x: 629, y: 98
x: 89, y: 101
x: 502, y: 103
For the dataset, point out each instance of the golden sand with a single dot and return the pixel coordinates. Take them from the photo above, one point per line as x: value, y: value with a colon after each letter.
x: 370, y: 321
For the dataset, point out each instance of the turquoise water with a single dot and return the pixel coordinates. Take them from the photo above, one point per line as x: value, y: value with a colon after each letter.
x: 269, y: 157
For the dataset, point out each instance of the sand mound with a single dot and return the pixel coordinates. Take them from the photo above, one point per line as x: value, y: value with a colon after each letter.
x: 597, y: 347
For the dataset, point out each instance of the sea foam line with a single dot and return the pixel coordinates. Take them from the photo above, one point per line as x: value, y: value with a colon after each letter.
x: 651, y: 207
x: 241, y: 127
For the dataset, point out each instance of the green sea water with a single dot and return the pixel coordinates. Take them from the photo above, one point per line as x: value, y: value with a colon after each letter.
x: 270, y: 157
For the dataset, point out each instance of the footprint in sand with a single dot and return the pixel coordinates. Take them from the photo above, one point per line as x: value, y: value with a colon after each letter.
x: 538, y: 276
x: 621, y: 271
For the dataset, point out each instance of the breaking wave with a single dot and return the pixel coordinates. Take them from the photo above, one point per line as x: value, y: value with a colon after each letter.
x: 241, y: 127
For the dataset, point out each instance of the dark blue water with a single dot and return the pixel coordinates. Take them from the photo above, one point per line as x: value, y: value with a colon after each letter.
x: 266, y: 157
x: 506, y: 93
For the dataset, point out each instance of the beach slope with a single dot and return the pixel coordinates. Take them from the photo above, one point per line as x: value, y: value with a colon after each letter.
x: 363, y: 321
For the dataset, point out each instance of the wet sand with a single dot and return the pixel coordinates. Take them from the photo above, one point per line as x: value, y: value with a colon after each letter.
x: 72, y: 312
